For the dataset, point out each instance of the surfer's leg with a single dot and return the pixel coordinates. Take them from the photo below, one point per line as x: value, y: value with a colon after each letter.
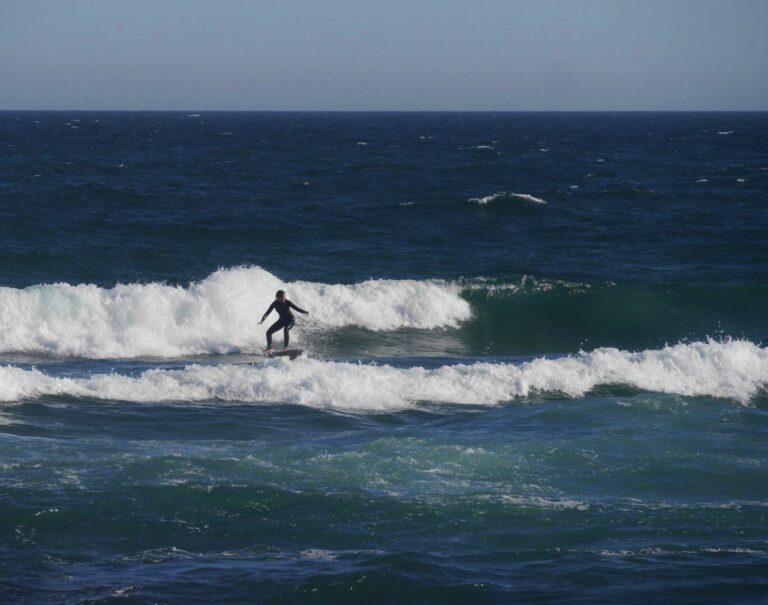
x: 272, y: 329
x: 286, y: 335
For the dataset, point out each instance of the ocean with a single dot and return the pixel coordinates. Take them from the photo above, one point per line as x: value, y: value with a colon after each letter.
x: 535, y: 365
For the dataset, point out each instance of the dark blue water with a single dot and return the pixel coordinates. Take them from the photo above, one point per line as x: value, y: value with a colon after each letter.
x: 535, y: 362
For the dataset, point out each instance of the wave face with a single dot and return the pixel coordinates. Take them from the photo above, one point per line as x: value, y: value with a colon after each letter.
x: 533, y: 316
x: 216, y: 315
x: 734, y: 370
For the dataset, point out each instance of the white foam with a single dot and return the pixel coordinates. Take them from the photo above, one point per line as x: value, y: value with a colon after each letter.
x: 506, y: 195
x: 733, y: 370
x: 667, y: 552
x: 542, y: 502
x: 219, y: 314
x: 319, y: 554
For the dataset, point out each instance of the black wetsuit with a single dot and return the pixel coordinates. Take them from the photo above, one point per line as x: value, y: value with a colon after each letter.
x: 286, y: 320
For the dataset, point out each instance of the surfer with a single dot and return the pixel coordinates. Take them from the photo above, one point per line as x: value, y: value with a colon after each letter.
x: 283, y: 307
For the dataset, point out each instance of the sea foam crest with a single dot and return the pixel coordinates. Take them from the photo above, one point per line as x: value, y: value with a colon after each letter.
x: 216, y: 315
x: 526, y: 197
x: 734, y: 370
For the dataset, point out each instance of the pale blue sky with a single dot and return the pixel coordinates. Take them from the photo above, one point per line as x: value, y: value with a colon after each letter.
x: 384, y: 55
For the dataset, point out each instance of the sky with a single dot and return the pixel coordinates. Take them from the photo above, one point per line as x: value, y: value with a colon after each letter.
x: 413, y: 55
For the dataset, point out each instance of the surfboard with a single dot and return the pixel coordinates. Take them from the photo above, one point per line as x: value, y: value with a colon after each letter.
x: 290, y: 353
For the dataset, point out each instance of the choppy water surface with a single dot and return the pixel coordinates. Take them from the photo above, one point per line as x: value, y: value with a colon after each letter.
x: 535, y: 365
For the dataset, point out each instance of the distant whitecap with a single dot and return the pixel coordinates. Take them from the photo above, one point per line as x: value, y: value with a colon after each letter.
x: 505, y: 195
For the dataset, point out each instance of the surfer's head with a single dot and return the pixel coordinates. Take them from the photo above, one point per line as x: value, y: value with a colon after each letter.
x: 280, y: 295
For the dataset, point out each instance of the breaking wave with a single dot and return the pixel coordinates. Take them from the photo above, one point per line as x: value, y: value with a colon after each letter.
x: 734, y: 370
x: 216, y: 315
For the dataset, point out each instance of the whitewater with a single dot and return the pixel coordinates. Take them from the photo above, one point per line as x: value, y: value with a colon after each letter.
x: 219, y: 314
x: 735, y: 370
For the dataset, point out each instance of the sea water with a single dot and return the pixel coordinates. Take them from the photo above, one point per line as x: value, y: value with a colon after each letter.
x: 534, y: 366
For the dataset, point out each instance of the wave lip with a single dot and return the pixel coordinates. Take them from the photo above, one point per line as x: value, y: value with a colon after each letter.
x: 216, y: 315
x: 734, y: 370
x: 501, y: 195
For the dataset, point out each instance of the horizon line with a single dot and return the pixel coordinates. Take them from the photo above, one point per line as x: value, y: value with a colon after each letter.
x: 50, y: 110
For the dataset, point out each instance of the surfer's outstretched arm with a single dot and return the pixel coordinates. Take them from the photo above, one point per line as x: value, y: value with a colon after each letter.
x: 272, y: 306
x: 290, y: 304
